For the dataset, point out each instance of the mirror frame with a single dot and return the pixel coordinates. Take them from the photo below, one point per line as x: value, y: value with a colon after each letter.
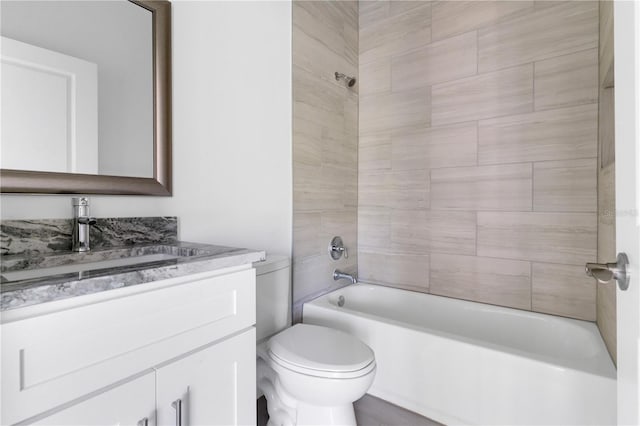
x: 36, y: 182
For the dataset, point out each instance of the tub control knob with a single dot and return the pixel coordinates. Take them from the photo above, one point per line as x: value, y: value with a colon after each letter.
x: 337, y: 248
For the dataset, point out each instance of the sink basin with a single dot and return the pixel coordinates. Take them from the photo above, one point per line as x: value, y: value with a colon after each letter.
x: 27, y: 274
x: 17, y: 268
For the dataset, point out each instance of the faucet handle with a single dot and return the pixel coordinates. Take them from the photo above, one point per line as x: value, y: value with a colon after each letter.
x: 91, y: 221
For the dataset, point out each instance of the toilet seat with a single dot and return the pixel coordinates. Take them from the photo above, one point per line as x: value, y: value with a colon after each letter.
x: 322, y: 352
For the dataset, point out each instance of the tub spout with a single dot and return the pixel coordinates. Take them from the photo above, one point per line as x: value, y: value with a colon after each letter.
x: 337, y: 275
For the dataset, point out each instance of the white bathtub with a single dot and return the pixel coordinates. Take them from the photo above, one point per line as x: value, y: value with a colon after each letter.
x: 461, y: 362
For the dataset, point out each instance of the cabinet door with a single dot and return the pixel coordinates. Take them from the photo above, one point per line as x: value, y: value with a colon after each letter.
x: 127, y: 404
x: 213, y: 386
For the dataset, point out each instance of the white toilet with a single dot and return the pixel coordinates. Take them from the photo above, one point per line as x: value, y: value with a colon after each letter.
x: 309, y: 374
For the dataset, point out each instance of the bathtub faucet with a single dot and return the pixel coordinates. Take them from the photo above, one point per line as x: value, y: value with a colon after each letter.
x: 337, y: 275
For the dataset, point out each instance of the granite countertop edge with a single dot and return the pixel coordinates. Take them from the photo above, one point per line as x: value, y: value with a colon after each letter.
x: 19, y: 294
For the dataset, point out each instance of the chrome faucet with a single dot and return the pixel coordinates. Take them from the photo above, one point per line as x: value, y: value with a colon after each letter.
x: 337, y: 275
x: 82, y: 223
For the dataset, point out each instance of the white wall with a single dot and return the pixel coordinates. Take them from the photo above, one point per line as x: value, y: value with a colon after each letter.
x: 231, y: 131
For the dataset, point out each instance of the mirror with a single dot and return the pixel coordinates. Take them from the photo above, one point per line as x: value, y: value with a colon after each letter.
x: 85, y: 97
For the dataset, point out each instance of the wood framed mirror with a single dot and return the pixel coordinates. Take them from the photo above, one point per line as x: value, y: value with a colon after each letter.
x: 157, y: 178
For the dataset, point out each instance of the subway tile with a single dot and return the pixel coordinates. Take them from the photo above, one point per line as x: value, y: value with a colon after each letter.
x: 309, y: 276
x: 565, y: 28
x: 394, y: 189
x: 563, y: 290
x: 398, y: 7
x: 487, y: 280
x: 339, y: 149
x: 567, y: 80
x: 606, y: 128
x: 434, y: 147
x: 312, y: 276
x: 371, y: 12
x: 342, y: 223
x: 606, y: 44
x: 350, y: 117
x: 387, y: 111
x: 544, y: 4
x: 374, y: 152
x: 395, y: 34
x: 455, y: 17
x: 424, y: 231
x: 400, y: 270
x: 567, y: 238
x: 504, y: 187
x: 306, y: 234
x: 316, y: 188
x: 374, y: 228
x: 565, y: 186
x: 606, y: 311
x: 307, y: 137
x: 375, y: 77
x: 349, y: 178
x: 446, y: 60
x: 606, y: 293
x: 319, y: 93
x: 320, y: 21
x: 313, y: 112
x: 351, y: 33
x: 347, y: 10
x: 559, y: 134
x: 606, y: 214
x: 494, y: 94
x: 316, y: 57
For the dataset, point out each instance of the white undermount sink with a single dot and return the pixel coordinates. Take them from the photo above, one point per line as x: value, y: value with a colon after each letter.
x: 27, y: 274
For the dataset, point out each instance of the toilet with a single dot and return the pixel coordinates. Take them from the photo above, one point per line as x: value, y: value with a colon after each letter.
x: 310, y: 375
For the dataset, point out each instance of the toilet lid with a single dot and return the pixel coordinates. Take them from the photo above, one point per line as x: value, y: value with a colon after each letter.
x: 320, y: 348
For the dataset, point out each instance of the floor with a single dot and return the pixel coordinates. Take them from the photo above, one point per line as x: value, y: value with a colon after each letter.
x: 370, y: 411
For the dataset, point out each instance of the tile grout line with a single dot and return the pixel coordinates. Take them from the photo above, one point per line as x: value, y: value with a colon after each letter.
x: 533, y: 84
x: 531, y: 285
x: 533, y: 191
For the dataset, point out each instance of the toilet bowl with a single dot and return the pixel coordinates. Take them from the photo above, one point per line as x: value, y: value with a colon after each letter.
x: 311, y: 375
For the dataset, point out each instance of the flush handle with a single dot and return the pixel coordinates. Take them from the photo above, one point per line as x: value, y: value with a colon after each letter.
x: 605, y: 272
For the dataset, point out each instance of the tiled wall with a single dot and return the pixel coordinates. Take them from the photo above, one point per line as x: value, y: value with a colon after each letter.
x: 478, y: 151
x: 325, y: 144
x: 606, y: 299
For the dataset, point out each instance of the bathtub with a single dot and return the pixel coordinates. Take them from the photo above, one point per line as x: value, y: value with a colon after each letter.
x: 460, y: 362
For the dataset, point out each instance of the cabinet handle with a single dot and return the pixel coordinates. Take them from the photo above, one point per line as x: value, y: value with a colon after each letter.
x: 143, y: 422
x: 177, y: 405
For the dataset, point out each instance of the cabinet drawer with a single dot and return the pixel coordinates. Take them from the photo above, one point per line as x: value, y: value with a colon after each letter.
x: 127, y: 404
x: 52, y: 359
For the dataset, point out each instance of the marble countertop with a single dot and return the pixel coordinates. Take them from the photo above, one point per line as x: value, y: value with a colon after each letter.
x: 192, y: 258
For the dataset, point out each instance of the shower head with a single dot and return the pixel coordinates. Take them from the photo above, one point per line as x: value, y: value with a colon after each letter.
x: 349, y: 81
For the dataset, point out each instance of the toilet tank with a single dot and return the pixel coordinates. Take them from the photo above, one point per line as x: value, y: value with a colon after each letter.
x: 273, y: 295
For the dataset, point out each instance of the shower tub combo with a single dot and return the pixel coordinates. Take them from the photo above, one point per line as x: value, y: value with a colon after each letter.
x: 460, y: 362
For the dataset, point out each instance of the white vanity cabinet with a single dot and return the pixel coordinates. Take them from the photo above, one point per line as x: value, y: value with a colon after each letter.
x: 210, y: 387
x: 132, y: 403
x: 191, y: 337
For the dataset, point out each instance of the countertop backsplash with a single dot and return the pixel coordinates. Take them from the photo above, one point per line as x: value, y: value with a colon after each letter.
x: 51, y: 235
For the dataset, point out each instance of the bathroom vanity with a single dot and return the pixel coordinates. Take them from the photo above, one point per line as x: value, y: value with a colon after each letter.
x: 161, y: 342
